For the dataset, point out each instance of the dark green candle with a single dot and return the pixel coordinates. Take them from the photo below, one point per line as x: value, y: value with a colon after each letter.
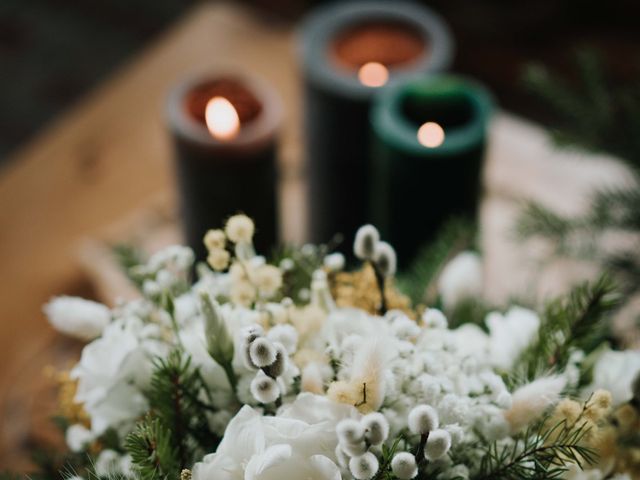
x: 428, y: 147
x: 350, y: 50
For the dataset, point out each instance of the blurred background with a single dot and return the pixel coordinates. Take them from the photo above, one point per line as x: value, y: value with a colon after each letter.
x: 54, y: 51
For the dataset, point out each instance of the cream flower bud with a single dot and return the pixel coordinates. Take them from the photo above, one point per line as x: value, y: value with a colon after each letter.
x: 364, y: 245
x: 376, y: 428
x: 239, y: 229
x: 264, y: 389
x: 438, y: 445
x: 334, y: 262
x: 262, y: 352
x: 350, y: 431
x: 279, y: 365
x: 385, y: 259
x: 423, y: 419
x: 218, y: 259
x: 404, y: 466
x: 364, y: 467
x: 268, y: 279
x: 214, y: 239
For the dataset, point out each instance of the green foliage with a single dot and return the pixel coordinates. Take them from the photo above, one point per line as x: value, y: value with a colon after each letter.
x: 152, y: 451
x: 541, y: 453
x: 596, y: 114
x: 176, y: 433
x: 418, y: 281
x: 576, y: 321
x: 128, y: 257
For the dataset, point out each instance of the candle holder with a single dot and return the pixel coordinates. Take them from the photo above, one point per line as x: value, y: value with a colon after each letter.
x: 224, y: 129
x: 429, y: 142
x: 348, y: 50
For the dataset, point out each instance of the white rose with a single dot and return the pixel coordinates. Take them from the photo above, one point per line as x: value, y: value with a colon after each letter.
x: 299, y: 442
x: 461, y: 279
x: 615, y: 372
x: 77, y: 317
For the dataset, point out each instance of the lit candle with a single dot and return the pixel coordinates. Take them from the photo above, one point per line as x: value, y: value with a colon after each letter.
x: 429, y: 138
x: 224, y: 129
x: 350, y: 51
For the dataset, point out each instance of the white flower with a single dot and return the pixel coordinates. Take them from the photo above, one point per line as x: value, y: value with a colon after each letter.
x: 461, y: 279
x: 364, y: 245
x: 240, y: 229
x: 510, y: 334
x: 78, y: 437
x: 384, y: 256
x: 268, y: 279
x: 438, y: 444
x: 110, y: 463
x: 286, y: 335
x: 423, y: 419
x: 364, y: 467
x: 306, y: 426
x: 77, y: 317
x: 434, y: 318
x: 615, y: 371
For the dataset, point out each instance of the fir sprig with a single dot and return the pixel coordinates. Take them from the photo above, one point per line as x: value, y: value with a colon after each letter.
x: 178, y: 433
x: 540, y: 453
x: 577, y: 321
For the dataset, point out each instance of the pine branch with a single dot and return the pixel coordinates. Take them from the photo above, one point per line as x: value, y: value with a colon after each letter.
x: 151, y: 450
x: 540, y: 453
x: 577, y: 321
x: 418, y: 281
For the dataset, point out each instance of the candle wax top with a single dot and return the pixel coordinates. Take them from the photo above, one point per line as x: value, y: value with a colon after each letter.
x: 389, y: 43
x: 243, y: 100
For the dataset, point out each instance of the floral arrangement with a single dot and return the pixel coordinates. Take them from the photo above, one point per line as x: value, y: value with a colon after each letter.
x: 301, y: 369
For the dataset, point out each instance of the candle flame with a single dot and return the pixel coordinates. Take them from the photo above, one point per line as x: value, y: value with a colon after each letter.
x: 373, y: 74
x: 431, y: 135
x: 222, y: 118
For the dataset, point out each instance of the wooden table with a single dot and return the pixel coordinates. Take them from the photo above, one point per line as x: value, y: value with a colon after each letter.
x: 111, y: 153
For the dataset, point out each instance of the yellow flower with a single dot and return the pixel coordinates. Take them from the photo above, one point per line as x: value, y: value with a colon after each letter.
x: 268, y: 279
x: 218, y: 259
x: 240, y: 229
x: 243, y: 293
x: 214, y: 239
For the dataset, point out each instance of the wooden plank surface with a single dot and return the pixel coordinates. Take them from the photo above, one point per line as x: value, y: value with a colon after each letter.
x: 111, y: 154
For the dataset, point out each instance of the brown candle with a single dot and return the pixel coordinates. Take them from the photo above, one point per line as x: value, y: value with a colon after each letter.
x: 224, y: 130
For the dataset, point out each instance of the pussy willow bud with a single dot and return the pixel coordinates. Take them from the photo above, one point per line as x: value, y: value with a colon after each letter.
x: 404, y: 466
x: 438, y: 445
x: 364, y: 467
x: 279, y: 365
x: 385, y: 259
x: 365, y: 242
x: 376, y: 428
x: 262, y: 352
x: 423, y: 419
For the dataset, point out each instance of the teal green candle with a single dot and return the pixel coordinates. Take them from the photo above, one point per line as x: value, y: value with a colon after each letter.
x: 417, y: 186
